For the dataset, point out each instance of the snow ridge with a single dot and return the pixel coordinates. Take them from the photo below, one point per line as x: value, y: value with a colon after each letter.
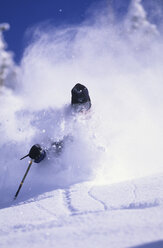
x: 96, y: 199
x: 68, y: 203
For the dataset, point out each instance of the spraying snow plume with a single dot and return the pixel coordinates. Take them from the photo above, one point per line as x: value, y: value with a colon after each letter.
x: 136, y: 20
x: 122, y: 136
x: 8, y: 69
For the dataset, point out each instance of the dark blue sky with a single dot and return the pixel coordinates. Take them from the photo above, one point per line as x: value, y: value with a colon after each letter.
x: 21, y: 14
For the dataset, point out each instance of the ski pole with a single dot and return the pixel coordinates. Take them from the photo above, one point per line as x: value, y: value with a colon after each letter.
x: 30, y: 163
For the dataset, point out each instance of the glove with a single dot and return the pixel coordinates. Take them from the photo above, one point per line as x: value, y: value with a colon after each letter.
x: 57, y: 146
x: 37, y: 153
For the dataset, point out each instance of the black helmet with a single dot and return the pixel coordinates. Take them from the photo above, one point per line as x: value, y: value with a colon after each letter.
x: 80, y: 98
x: 80, y: 94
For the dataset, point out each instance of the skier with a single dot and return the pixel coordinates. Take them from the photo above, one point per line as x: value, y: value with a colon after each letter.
x: 80, y: 103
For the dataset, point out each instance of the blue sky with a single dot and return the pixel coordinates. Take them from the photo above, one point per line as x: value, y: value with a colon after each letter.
x: 24, y: 14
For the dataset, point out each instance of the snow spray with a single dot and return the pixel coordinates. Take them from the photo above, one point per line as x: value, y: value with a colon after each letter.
x: 122, y: 138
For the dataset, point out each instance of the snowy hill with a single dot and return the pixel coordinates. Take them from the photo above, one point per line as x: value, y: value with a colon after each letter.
x: 87, y: 215
x: 89, y: 196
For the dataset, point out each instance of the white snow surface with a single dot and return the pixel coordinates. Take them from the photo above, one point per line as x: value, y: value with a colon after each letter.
x: 105, y: 189
x: 87, y: 215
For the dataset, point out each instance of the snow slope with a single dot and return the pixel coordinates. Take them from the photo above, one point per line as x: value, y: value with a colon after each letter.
x: 84, y: 197
x: 87, y: 215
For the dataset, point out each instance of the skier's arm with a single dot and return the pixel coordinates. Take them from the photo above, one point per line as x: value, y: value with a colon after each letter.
x: 37, y: 153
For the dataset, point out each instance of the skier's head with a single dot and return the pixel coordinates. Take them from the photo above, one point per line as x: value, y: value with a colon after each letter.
x: 80, y: 99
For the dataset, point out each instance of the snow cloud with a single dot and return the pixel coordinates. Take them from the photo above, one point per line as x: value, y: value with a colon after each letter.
x: 121, y: 64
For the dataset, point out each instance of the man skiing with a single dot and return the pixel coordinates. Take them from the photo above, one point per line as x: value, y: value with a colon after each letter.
x: 80, y: 103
